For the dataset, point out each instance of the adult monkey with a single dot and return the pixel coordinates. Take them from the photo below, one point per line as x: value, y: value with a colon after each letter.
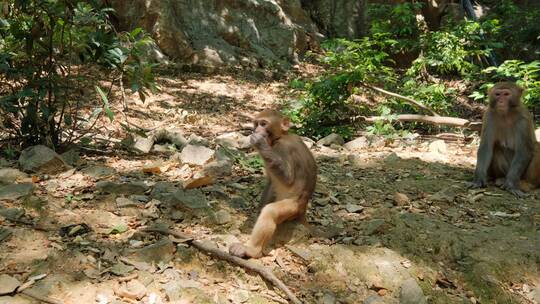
x: 291, y: 175
x: 508, y: 147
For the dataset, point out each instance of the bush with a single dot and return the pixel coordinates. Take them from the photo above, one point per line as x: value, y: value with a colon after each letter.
x: 50, y: 51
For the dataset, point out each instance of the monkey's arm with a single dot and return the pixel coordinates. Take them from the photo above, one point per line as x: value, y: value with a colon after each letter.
x: 523, y: 152
x: 278, y: 165
x: 485, y: 153
x: 268, y: 195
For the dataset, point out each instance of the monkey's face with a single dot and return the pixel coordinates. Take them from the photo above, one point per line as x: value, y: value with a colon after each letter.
x: 503, y: 99
x: 263, y: 127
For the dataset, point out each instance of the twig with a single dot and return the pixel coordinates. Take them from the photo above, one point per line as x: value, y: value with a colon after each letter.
x: 262, y: 271
x: 407, y: 99
x: 34, y: 295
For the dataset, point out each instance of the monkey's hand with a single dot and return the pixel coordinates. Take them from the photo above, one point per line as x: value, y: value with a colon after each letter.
x: 242, y: 251
x: 512, y: 188
x: 258, y: 140
x: 477, y: 183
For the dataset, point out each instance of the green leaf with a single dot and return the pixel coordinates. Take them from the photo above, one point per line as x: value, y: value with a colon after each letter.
x: 120, y: 228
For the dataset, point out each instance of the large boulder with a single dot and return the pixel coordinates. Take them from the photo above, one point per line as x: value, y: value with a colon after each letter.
x: 41, y: 159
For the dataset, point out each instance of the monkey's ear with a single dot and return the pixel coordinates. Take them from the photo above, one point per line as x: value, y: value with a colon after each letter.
x: 285, y: 124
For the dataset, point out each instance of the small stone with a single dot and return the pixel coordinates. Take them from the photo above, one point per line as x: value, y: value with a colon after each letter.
x: 195, y: 139
x: 161, y: 251
x: 10, y: 175
x: 122, y: 202
x: 12, y: 213
x: 15, y: 191
x: 377, y: 142
x: 308, y: 142
x: 161, y: 148
x: 196, y: 155
x: 71, y: 157
x: 193, y: 199
x: 136, y: 288
x: 241, y: 296
x: 218, y: 169
x: 238, y: 202
x: 438, y: 146
x: 401, y: 199
x: 177, y: 215
x: 41, y: 159
x: 351, y: 208
x: 359, y: 143
x: 222, y: 217
x: 8, y: 284
x: 143, y: 144
x: 328, y: 298
x: 98, y: 171
x: 392, y: 158
x: 234, y: 140
x: 331, y: 139
x: 411, y: 293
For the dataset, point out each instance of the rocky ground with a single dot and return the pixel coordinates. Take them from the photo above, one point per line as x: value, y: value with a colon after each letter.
x: 391, y: 221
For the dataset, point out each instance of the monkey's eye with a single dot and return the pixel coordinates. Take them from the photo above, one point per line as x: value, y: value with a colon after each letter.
x: 262, y: 123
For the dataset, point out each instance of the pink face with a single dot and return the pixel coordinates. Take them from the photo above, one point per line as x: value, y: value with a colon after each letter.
x: 502, y: 97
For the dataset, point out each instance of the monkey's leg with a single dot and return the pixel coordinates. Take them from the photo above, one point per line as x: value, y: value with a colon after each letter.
x: 271, y: 215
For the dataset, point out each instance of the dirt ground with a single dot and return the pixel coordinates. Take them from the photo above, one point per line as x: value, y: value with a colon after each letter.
x: 391, y: 223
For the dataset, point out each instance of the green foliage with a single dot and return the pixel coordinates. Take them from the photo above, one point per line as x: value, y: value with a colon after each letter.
x: 435, y: 96
x: 456, y: 50
x: 50, y: 50
x: 326, y: 106
x: 398, y: 22
x: 527, y: 75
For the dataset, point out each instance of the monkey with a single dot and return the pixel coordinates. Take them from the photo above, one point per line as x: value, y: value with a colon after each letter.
x: 291, y: 173
x: 508, y: 151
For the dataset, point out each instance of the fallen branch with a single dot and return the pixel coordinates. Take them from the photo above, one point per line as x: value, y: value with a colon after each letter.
x: 262, y: 271
x: 405, y: 98
x: 434, y: 120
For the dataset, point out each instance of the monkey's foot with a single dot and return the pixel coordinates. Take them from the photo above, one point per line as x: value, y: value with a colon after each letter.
x: 242, y: 251
x: 514, y: 190
x: 475, y: 185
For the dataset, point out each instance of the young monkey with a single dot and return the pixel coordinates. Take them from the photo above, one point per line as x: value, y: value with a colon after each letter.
x: 291, y: 175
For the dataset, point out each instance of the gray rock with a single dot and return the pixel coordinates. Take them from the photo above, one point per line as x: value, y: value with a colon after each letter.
x: 12, y: 213
x: 121, y: 269
x: 359, y: 143
x: 234, y: 140
x: 139, y: 198
x: 161, y: 148
x: 41, y: 159
x: 240, y: 296
x: 351, y: 208
x: 196, y: 155
x: 177, y: 215
x: 123, y: 188
x: 8, y: 284
x: 122, y: 202
x: 375, y: 226
x: 71, y: 157
x: 98, y: 171
x: 136, y: 288
x: 331, y: 139
x: 238, y: 202
x: 10, y: 175
x: 4, y: 234
x: 174, y: 136
x: 143, y: 144
x: 161, y: 251
x: 222, y: 217
x: 308, y: 142
x: 377, y: 142
x: 411, y: 293
x: 193, y: 199
x: 327, y: 298
x: 220, y: 168
x: 197, y: 140
x: 392, y: 158
x: 373, y: 299
x: 16, y: 191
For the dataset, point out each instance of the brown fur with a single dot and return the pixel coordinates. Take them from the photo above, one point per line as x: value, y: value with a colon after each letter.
x: 291, y: 176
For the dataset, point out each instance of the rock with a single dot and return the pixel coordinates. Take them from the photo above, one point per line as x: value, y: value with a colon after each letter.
x: 12, y: 213
x: 4, y: 234
x: 174, y: 136
x: 120, y: 269
x: 41, y: 159
x: 411, y: 293
x: 300, y: 252
x: 331, y: 139
x: 359, y: 143
x: 375, y: 226
x: 8, y: 284
x: 136, y: 288
x: 328, y: 298
x: 143, y: 144
x: 177, y: 215
x: 238, y: 202
x: 161, y: 148
x: 15, y: 191
x: 351, y: 208
x: 196, y: 155
x: 199, y: 179
x: 98, y: 171
x: 438, y: 146
x: 124, y: 188
x: 71, y: 157
x: 222, y: 217
x: 234, y: 140
x: 392, y: 158
x: 139, y: 198
x: 401, y: 199
x: 374, y: 299
x: 535, y: 293
x: 161, y: 251
x: 308, y: 142
x: 197, y: 140
x: 218, y: 169
x: 10, y: 175
x: 447, y: 195
x: 122, y: 202
x: 240, y: 296
x: 377, y: 142
x: 193, y: 199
